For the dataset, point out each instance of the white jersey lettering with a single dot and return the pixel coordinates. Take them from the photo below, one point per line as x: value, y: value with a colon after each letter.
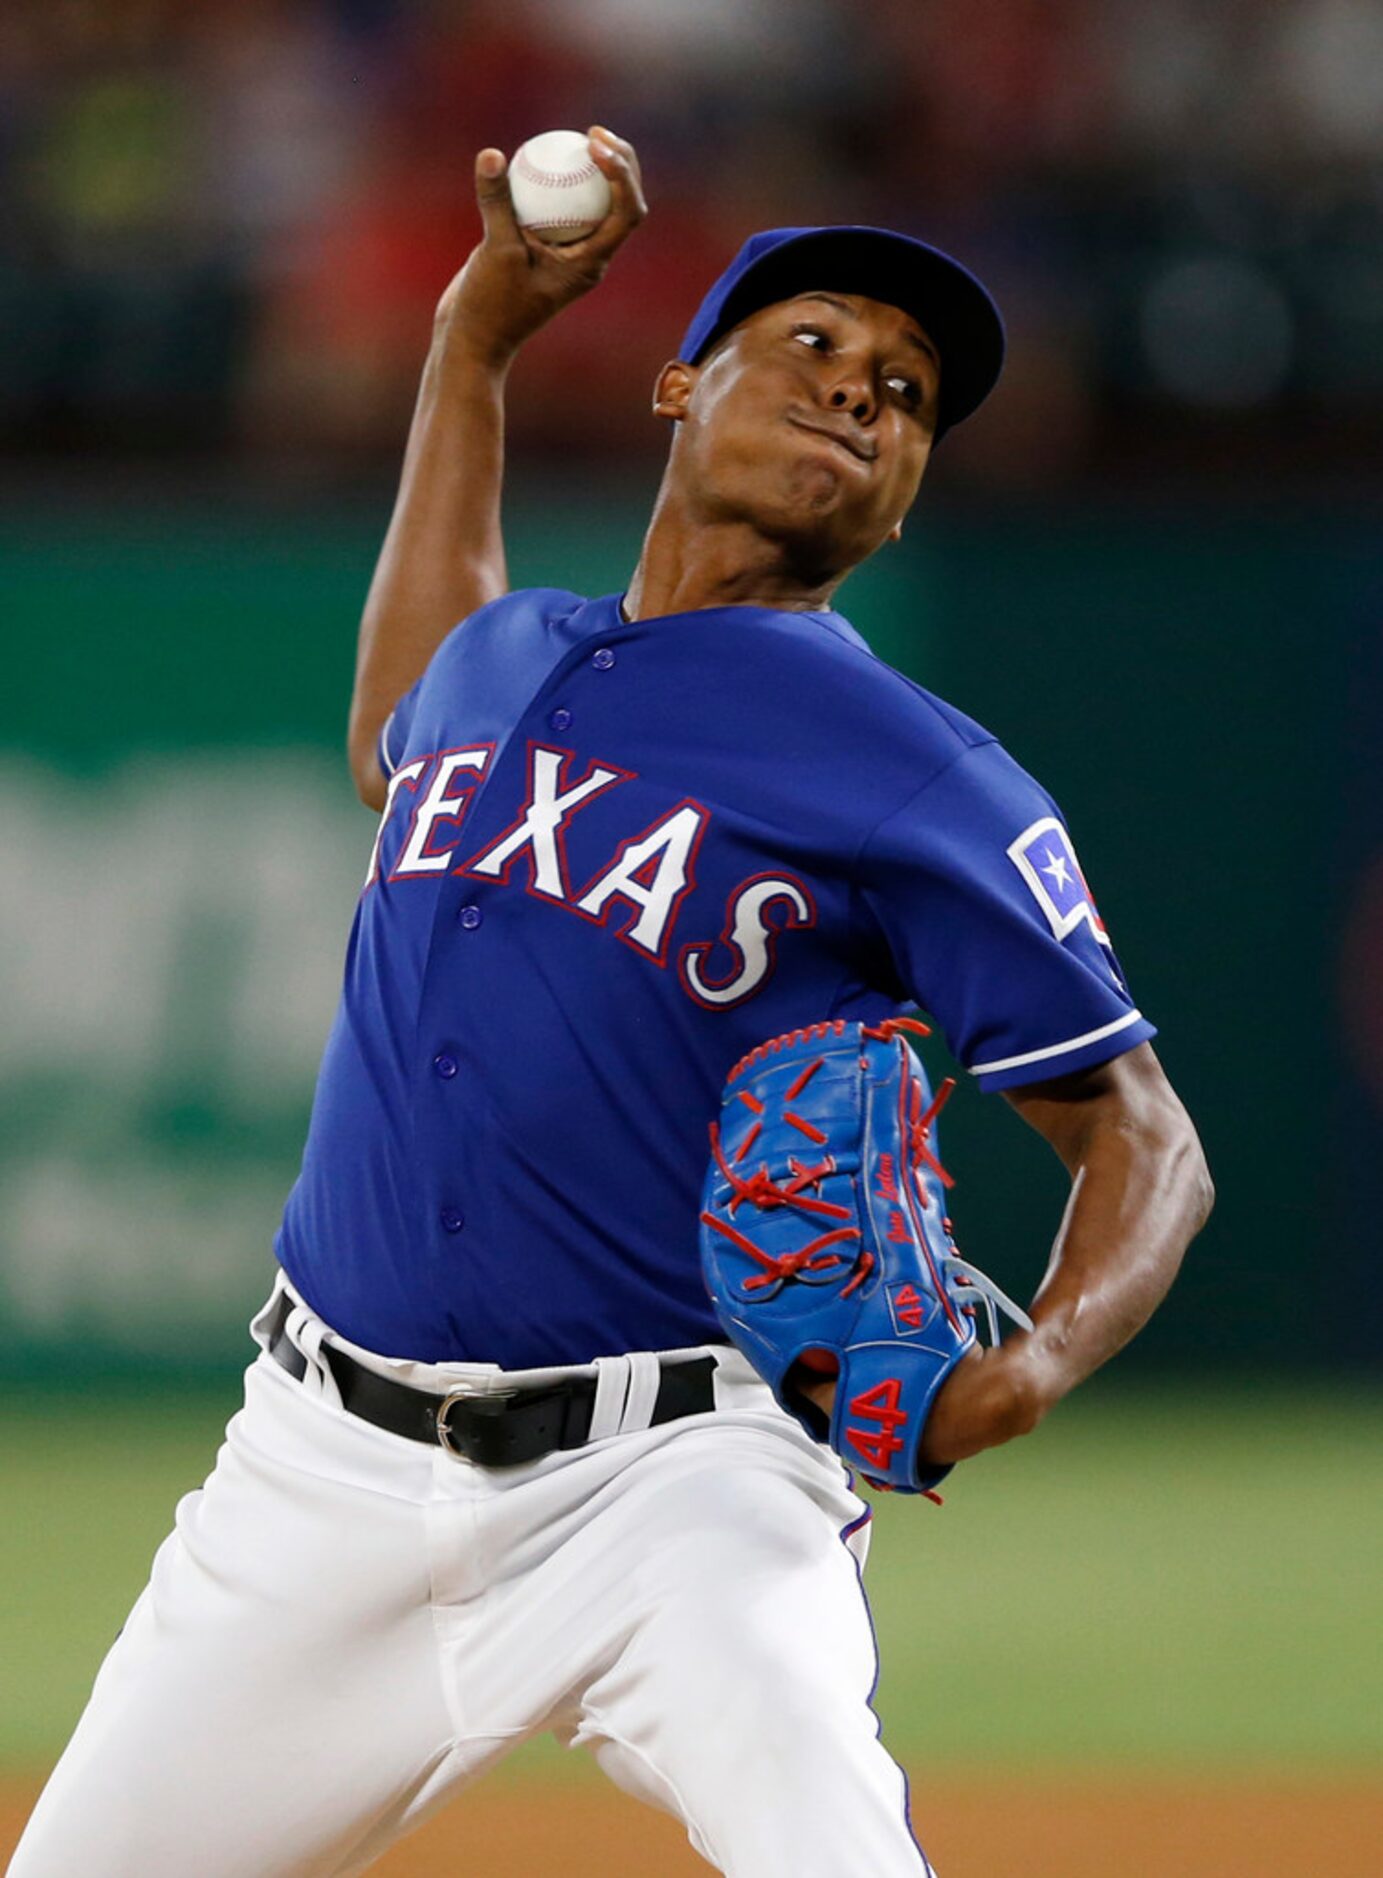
x: 540, y: 826
x: 750, y: 936
x: 652, y: 872
x: 440, y: 804
x: 405, y: 778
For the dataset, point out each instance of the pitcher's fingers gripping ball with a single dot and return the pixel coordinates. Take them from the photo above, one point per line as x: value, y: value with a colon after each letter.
x: 559, y: 194
x: 825, y: 1240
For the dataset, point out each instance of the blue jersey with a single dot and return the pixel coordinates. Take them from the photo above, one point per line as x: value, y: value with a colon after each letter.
x: 616, y: 856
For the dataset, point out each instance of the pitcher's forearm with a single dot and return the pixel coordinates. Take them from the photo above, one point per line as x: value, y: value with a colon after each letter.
x: 1134, y: 1209
x: 443, y: 555
x: 1140, y: 1192
x: 1137, y: 1201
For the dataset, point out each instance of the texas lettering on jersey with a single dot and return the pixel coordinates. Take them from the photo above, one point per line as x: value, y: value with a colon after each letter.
x: 639, y: 891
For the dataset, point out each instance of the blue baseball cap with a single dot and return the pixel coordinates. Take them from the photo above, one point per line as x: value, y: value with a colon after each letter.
x: 945, y: 299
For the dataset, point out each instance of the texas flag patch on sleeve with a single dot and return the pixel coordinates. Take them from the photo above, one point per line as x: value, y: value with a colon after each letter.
x: 1044, y: 856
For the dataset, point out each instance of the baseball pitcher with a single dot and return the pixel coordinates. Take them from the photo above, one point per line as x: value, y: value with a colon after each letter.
x: 621, y: 1247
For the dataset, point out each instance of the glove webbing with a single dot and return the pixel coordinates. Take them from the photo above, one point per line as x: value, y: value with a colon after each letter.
x: 762, y: 1191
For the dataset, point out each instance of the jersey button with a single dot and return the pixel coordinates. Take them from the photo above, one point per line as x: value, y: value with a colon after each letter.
x: 603, y: 659
x: 470, y: 917
x: 561, y: 718
x: 445, y: 1066
x: 452, y: 1221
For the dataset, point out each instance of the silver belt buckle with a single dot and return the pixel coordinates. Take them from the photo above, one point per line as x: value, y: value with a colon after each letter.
x: 445, y: 1406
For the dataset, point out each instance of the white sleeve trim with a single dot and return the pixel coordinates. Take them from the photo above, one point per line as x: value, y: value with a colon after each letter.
x: 388, y: 765
x: 1057, y: 1049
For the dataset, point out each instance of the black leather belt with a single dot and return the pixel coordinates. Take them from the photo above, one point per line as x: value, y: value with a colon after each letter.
x: 502, y: 1428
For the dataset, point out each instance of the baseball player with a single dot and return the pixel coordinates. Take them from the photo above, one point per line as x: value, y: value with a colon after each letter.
x: 499, y: 1469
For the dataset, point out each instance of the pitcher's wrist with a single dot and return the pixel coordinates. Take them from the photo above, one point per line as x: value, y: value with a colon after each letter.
x: 457, y: 347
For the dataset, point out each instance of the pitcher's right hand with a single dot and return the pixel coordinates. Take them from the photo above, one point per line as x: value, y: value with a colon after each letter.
x: 513, y: 283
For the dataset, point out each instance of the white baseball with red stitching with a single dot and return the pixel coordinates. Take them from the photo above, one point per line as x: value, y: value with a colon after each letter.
x: 559, y: 195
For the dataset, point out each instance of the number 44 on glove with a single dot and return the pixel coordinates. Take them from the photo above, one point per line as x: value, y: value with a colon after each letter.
x: 824, y: 1238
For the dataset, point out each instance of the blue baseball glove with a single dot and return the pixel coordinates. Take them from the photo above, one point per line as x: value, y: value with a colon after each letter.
x: 825, y: 1241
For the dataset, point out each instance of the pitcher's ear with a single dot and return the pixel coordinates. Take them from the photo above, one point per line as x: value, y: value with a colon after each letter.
x: 672, y: 393
x: 896, y: 532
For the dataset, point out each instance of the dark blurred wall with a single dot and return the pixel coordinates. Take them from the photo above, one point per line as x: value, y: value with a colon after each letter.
x: 1179, y: 679
x: 1355, y: 1118
x: 180, y: 851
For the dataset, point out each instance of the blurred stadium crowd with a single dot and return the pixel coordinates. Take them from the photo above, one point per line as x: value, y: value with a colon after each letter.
x: 224, y: 226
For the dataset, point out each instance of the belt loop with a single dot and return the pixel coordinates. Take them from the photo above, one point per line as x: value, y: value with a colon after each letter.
x: 611, y: 1389
x: 306, y: 1330
x: 645, y: 1374
x: 267, y: 1323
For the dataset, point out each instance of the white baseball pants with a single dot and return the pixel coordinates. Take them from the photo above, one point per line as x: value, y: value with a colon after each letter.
x: 345, y: 1627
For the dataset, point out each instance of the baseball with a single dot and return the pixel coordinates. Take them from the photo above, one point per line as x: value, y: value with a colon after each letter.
x: 559, y: 195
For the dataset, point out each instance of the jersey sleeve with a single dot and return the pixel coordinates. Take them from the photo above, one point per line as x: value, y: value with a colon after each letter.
x: 993, y: 928
x: 393, y: 738
x: 526, y: 625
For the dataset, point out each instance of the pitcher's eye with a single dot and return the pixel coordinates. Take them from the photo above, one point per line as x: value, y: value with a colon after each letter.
x: 907, y: 389
x: 812, y: 336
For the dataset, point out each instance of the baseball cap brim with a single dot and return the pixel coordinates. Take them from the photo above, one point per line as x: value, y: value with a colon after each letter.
x: 955, y: 311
